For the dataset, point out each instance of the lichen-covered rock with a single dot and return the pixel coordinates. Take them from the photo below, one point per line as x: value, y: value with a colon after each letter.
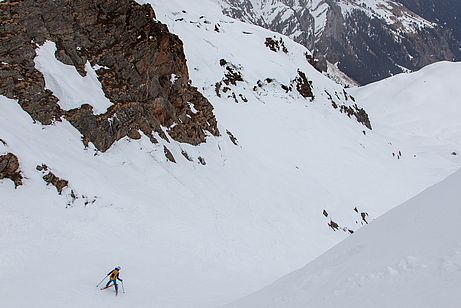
x: 139, y: 56
x: 9, y: 169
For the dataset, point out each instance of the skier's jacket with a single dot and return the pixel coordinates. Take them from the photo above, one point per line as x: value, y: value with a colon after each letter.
x: 114, y: 275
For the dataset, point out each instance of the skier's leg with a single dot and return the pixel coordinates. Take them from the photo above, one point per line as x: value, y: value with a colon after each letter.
x: 116, y: 287
x: 107, y: 284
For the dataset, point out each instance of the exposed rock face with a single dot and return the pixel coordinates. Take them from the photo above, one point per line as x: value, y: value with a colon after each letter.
x: 232, y: 76
x: 367, y: 42
x: 51, y: 179
x: 168, y: 154
x: 275, y: 45
x: 57, y: 182
x: 303, y: 85
x: 146, y: 77
x: 9, y: 169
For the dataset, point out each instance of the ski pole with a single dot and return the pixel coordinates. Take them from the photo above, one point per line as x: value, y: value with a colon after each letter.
x: 123, y: 287
x: 102, y: 280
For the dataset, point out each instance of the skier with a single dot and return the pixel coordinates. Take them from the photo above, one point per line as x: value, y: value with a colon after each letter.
x: 113, y: 277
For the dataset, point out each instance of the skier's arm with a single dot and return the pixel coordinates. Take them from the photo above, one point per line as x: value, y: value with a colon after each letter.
x: 118, y: 277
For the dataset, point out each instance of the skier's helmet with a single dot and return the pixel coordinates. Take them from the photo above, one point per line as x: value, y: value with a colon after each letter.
x: 118, y: 268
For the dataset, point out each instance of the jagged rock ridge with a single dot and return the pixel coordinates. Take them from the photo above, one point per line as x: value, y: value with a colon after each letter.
x: 144, y: 71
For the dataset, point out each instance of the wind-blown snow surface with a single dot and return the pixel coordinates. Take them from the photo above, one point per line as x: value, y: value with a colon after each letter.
x: 188, y: 235
x: 409, y: 257
x: 419, y: 109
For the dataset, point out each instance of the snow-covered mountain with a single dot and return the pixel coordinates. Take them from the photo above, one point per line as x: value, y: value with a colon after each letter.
x: 366, y: 39
x: 204, y: 182
x: 412, y: 108
x: 409, y: 257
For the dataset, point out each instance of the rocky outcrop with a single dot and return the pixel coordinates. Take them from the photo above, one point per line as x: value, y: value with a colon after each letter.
x: 275, y: 45
x: 232, y: 138
x: 144, y: 70
x: 168, y: 154
x: 304, y: 86
x: 9, y: 169
x: 359, y: 113
x: 232, y: 76
x: 51, y: 179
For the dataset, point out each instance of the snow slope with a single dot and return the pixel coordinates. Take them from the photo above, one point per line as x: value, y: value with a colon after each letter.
x: 67, y: 84
x: 409, y: 257
x: 419, y: 109
x: 193, y: 235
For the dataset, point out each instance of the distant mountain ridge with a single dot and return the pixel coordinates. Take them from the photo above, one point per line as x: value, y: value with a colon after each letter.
x: 367, y: 39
